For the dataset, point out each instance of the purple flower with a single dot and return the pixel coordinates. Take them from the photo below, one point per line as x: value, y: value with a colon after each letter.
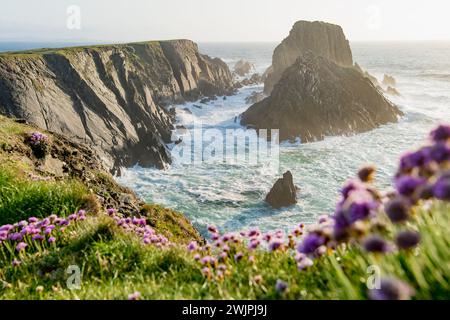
x: 407, y: 239
x: 304, y: 263
x: 51, y: 240
x: 397, y: 210
x: 110, y: 211
x: 440, y: 152
x: 37, y: 237
x: 16, y: 263
x: 441, y: 189
x: 192, y: 246
x: 212, y: 229
x: 391, y: 289
x: 406, y: 185
x: 3, y: 235
x: 281, y: 286
x: 376, y: 244
x: 349, y: 187
x: 21, y: 246
x: 7, y: 227
x: 360, y: 211
x: 253, y: 233
x: 33, y: 220
x: 275, y: 244
x: 366, y: 174
x: 310, y: 243
x: 441, y: 133
x: 134, y: 296
x: 254, y: 243
x: 238, y: 256
x: 16, y: 236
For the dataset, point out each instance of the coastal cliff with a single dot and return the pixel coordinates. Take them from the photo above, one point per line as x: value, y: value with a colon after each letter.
x: 323, y: 39
x: 113, y: 97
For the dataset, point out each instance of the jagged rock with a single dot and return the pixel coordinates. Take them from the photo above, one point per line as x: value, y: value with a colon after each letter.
x: 283, y: 192
x: 316, y: 97
x: 187, y: 110
x: 389, y: 81
x: 372, y: 79
x: 197, y: 106
x: 324, y: 39
x: 254, y: 97
x: 243, y: 67
x: 111, y: 97
x: 392, y: 91
x: 254, y: 79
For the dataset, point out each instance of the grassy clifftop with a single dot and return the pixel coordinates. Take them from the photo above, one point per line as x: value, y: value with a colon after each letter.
x: 50, y: 249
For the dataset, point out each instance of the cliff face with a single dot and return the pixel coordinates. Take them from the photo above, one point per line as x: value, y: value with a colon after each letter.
x: 323, y: 39
x: 316, y: 97
x: 112, y: 97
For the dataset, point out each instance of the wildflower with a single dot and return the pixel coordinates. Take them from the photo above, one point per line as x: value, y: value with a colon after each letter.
x: 134, y: 296
x: 51, y: 240
x: 110, y: 211
x: 222, y: 256
x: 72, y: 216
x: 37, y: 237
x: 440, y: 152
x: 253, y: 233
x: 251, y: 259
x: 238, y: 256
x: 304, y: 263
x: 212, y: 229
x: 254, y: 243
x: 441, y: 133
x: 257, y: 279
x: 33, y: 220
x: 407, y: 185
x: 397, y: 210
x: 3, y: 235
x: 215, y: 236
x: 407, y: 239
x: 205, y: 260
x: 192, y: 246
x: 39, y: 289
x: 197, y: 257
x: 391, y: 289
x: 281, y: 286
x: 323, y: 218
x: 441, y: 189
x: 310, y: 243
x: 16, y: 263
x: 7, y: 227
x: 275, y: 244
x: 206, y: 271
x: 16, y: 236
x: 366, y: 174
x: 21, y: 246
x: 376, y: 244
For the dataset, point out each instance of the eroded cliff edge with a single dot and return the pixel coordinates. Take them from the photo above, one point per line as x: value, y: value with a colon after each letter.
x: 112, y: 97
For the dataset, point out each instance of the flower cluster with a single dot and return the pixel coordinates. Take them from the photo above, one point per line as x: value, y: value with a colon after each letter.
x: 139, y: 227
x: 35, y: 234
x: 39, y: 144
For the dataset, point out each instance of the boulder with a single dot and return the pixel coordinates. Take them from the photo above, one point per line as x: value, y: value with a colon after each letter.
x: 323, y: 39
x: 316, y: 98
x: 243, y: 67
x: 283, y: 192
x: 389, y: 81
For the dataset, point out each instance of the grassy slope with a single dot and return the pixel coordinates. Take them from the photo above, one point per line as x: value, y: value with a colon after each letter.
x: 115, y: 264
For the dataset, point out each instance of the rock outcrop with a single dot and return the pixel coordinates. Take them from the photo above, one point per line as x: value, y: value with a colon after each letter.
x: 283, y: 192
x: 323, y: 39
x: 111, y: 97
x: 243, y: 67
x: 389, y: 81
x: 317, y: 97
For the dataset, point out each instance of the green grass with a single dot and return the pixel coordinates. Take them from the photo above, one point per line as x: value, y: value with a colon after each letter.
x: 21, y: 199
x: 115, y: 264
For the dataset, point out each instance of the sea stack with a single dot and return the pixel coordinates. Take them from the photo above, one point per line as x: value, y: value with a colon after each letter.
x: 283, y: 192
x: 321, y: 93
x: 321, y: 38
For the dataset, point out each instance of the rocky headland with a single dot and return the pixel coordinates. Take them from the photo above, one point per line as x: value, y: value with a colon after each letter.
x: 114, y: 98
x: 316, y: 91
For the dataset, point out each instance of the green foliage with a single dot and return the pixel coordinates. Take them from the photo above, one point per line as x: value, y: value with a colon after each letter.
x: 21, y: 199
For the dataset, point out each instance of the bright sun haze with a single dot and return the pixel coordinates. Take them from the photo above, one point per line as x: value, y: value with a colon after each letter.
x: 221, y: 21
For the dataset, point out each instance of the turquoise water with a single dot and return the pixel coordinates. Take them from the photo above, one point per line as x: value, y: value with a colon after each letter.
x: 231, y: 196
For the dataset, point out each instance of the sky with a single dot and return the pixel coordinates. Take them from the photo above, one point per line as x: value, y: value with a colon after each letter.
x: 218, y: 21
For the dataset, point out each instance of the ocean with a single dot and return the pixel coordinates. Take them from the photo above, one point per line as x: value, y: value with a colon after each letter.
x: 231, y: 196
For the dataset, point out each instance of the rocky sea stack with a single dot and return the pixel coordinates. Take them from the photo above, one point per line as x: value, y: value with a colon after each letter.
x: 283, y: 192
x: 320, y: 93
x: 324, y: 39
x: 112, y: 97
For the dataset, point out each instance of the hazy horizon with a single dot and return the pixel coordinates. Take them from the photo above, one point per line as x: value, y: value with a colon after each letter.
x: 206, y: 21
